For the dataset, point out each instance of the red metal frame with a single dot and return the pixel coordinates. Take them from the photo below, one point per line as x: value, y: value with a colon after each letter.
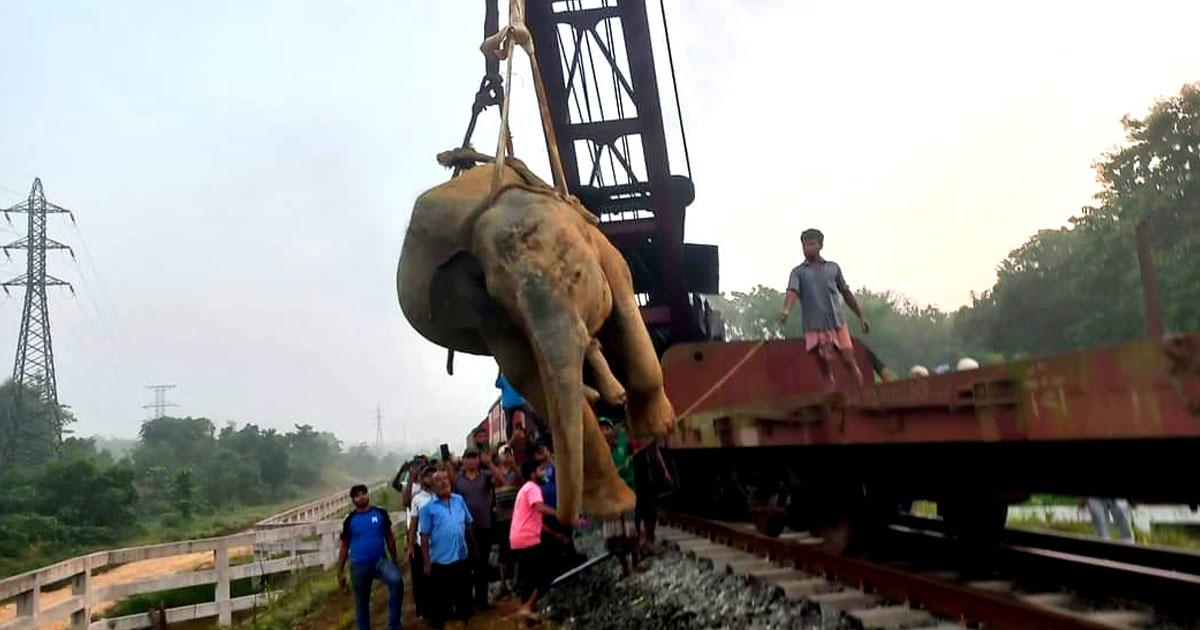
x: 1144, y: 390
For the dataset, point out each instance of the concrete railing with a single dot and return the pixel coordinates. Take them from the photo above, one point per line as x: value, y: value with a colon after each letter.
x: 319, y: 510
x: 276, y: 547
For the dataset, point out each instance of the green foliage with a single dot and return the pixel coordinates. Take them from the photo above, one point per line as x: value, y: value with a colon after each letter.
x: 311, y: 595
x: 169, y: 443
x: 27, y: 424
x: 903, y: 332
x: 1079, y: 286
x: 312, y: 452
x: 361, y: 462
x: 755, y: 315
x: 183, y: 491
x: 182, y: 478
x: 64, y: 504
x: 185, y: 596
x: 236, y: 465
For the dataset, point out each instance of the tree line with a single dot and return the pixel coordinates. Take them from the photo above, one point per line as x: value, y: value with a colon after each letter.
x: 1064, y: 289
x: 182, y: 476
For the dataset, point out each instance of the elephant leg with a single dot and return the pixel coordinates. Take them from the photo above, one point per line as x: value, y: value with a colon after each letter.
x: 610, y: 389
x: 650, y: 412
x: 604, y: 494
x: 544, y: 272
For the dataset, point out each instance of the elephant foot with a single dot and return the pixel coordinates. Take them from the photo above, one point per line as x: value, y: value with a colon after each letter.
x: 651, y: 416
x: 613, y: 393
x: 610, y: 388
x: 607, y: 499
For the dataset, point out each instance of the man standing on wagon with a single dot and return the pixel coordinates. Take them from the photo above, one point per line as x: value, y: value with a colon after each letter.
x: 817, y: 283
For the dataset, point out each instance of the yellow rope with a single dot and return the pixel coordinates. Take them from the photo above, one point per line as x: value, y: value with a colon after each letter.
x: 711, y: 390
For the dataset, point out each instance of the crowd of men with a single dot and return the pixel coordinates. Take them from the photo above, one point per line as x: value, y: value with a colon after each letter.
x: 461, y: 508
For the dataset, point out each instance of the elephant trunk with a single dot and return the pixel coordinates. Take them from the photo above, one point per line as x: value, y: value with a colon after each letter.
x: 559, y: 338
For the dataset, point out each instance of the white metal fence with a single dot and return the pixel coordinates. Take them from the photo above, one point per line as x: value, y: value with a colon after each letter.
x: 298, y: 538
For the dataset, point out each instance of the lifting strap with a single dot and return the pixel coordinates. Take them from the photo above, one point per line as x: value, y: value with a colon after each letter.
x: 500, y: 46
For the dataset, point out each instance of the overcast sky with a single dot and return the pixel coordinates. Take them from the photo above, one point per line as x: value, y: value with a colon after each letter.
x: 242, y: 172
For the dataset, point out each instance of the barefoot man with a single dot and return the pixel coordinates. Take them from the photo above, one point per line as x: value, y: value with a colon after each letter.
x: 817, y: 283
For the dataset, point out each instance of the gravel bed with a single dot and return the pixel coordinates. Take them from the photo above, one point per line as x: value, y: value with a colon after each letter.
x: 676, y: 592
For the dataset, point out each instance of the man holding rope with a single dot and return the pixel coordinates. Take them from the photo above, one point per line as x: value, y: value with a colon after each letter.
x: 816, y: 283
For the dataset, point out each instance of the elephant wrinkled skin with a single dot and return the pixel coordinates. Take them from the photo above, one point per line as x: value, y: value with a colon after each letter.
x: 531, y: 281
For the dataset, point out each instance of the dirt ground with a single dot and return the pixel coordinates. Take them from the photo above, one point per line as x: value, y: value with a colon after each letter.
x: 140, y: 570
x: 338, y: 614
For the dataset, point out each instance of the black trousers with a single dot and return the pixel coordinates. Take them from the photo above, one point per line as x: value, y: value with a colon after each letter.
x: 419, y: 583
x: 481, y: 570
x: 534, y: 567
x: 449, y: 593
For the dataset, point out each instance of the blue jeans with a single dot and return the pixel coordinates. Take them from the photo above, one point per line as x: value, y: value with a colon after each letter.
x: 362, y: 577
x: 1101, y: 508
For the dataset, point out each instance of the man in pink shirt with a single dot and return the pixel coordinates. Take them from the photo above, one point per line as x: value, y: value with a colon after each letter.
x: 525, y: 537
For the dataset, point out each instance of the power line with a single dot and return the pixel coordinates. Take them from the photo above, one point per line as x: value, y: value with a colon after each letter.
x: 160, y: 403
x: 12, y: 190
x: 109, y: 303
x: 114, y: 337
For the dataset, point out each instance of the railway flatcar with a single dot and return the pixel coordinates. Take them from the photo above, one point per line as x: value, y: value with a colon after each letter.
x: 768, y: 443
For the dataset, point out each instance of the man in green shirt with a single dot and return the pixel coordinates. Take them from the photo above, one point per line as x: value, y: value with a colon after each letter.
x: 617, y: 533
x: 622, y: 455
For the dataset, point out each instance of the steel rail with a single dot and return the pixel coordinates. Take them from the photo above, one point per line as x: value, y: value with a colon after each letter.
x: 940, y: 598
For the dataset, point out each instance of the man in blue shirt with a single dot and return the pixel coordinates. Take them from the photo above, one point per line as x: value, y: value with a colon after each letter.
x: 545, y: 458
x: 511, y: 402
x: 445, y: 528
x: 366, y: 532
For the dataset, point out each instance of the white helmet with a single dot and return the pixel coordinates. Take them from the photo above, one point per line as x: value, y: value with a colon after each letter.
x: 967, y: 363
x: 918, y: 371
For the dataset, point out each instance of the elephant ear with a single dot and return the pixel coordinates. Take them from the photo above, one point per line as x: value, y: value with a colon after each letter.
x: 458, y: 296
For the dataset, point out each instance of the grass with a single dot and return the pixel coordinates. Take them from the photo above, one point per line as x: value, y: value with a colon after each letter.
x: 307, y: 597
x: 185, y: 596
x: 1166, y: 535
x: 171, y: 527
x: 307, y: 589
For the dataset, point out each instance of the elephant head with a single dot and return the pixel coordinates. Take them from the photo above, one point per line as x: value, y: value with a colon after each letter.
x: 530, y: 280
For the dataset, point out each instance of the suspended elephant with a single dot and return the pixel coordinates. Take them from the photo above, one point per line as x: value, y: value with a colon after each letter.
x: 525, y: 276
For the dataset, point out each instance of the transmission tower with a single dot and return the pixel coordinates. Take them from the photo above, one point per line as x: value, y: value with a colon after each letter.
x: 34, y: 364
x: 378, y: 429
x: 160, y: 403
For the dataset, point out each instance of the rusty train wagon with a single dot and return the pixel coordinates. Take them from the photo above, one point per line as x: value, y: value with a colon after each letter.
x: 1122, y: 421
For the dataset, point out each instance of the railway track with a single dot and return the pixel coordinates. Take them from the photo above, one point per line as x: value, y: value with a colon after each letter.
x: 928, y: 581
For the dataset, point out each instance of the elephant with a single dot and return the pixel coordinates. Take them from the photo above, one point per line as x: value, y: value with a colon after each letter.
x: 523, y: 273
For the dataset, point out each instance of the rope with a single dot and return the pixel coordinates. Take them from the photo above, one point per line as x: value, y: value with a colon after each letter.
x: 711, y: 390
x: 500, y: 46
